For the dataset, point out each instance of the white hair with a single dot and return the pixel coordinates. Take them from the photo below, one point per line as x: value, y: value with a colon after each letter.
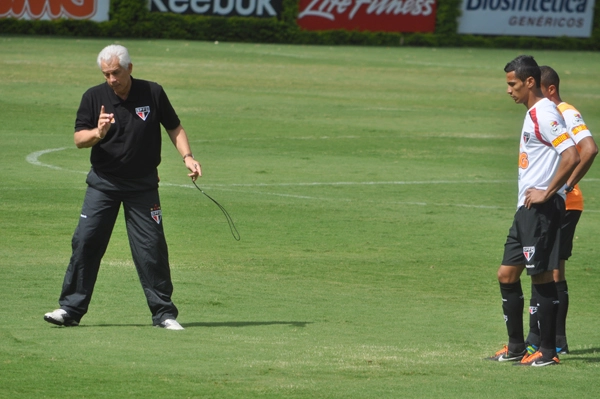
x: 114, y: 50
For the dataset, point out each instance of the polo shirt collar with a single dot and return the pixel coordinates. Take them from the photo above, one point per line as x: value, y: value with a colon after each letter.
x: 133, y: 93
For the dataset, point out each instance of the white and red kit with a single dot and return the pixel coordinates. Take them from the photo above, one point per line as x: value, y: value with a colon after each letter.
x: 543, y: 138
x: 578, y: 130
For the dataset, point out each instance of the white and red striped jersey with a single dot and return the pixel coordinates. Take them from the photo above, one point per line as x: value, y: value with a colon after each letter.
x: 543, y: 138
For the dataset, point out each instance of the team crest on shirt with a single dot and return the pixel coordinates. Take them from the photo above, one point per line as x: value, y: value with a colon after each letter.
x: 142, y: 112
x: 533, y: 309
x: 528, y: 252
x: 156, y: 213
x: 526, y: 137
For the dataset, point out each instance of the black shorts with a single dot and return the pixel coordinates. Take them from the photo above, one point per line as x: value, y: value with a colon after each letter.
x: 534, y: 238
x: 567, y: 232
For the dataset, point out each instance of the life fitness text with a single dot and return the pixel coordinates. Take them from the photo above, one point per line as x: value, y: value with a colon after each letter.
x: 372, y: 15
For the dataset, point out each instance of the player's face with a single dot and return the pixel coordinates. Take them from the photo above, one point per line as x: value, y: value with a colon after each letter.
x: 517, y: 89
x: 117, y: 77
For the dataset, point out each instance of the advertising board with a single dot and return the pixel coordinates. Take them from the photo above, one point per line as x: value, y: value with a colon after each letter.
x: 368, y: 15
x: 94, y: 10
x: 229, y: 8
x: 544, y: 18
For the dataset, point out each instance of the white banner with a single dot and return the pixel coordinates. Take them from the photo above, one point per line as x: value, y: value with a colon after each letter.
x: 94, y: 10
x: 228, y: 8
x: 546, y: 18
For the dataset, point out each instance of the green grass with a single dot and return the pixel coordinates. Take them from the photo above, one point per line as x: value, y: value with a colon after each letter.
x: 372, y: 187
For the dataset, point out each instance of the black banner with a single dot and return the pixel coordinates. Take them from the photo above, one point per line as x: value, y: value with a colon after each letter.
x: 228, y: 8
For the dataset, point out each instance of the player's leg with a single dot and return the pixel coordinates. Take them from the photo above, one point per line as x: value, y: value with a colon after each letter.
x: 509, y: 278
x: 143, y: 217
x: 511, y: 291
x: 533, y: 337
x: 89, y: 243
x: 543, y: 236
x: 566, y: 247
x: 544, y: 290
x: 562, y: 347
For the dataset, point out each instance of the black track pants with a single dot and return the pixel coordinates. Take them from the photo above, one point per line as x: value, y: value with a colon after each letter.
x: 148, y: 248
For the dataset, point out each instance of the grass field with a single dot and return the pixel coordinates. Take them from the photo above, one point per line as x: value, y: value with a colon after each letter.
x: 372, y: 187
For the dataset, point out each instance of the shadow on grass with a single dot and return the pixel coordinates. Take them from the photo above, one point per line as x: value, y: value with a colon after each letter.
x: 207, y: 324
x: 247, y: 323
x: 109, y: 325
x: 581, y: 352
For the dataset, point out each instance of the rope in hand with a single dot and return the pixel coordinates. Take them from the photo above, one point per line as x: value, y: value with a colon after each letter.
x: 232, y: 228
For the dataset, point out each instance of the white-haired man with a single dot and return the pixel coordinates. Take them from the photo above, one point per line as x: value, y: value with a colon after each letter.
x: 120, y: 120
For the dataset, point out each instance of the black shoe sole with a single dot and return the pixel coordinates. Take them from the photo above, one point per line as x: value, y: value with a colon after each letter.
x: 67, y: 323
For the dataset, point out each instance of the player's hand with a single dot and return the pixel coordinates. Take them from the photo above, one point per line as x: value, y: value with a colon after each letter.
x: 104, y: 122
x: 534, y: 196
x: 194, y: 167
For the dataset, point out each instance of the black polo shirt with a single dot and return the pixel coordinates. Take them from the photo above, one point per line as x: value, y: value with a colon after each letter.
x: 131, y: 148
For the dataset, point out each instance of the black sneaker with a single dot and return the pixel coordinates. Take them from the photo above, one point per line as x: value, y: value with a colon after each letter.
x: 538, y: 360
x: 504, y: 355
x: 562, y: 348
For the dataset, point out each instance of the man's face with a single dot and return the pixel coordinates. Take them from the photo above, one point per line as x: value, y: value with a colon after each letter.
x: 517, y: 89
x: 117, y: 77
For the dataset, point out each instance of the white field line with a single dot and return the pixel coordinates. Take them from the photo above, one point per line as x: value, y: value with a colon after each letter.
x: 347, y: 199
x: 481, y: 136
x: 361, y: 183
x: 33, y: 159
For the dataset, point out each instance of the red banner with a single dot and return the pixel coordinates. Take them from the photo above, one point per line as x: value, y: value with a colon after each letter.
x: 49, y: 9
x: 368, y: 15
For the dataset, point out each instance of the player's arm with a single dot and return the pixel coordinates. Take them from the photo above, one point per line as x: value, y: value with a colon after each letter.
x: 587, y: 154
x: 86, y: 138
x: 180, y: 141
x: 569, y: 159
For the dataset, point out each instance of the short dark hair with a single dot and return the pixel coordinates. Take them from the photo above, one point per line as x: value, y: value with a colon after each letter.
x: 524, y: 66
x: 549, y: 77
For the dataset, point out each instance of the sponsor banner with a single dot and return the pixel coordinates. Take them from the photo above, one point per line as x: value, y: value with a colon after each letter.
x: 228, y: 8
x: 551, y: 18
x: 94, y: 10
x: 368, y: 15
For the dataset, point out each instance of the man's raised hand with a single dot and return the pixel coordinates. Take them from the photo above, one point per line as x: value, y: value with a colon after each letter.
x: 104, y: 122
